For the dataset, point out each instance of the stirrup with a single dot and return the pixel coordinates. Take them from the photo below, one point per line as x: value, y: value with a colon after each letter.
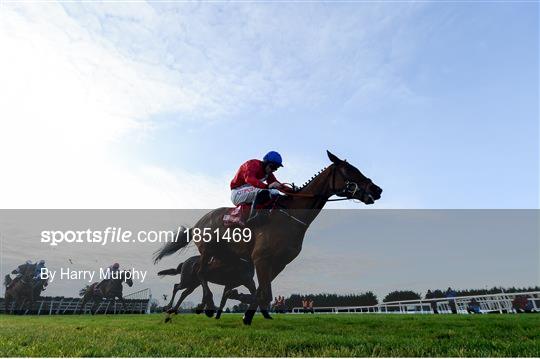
x: 253, y: 212
x: 252, y: 216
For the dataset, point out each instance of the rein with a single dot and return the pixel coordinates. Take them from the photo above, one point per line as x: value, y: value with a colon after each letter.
x: 348, y: 191
x: 288, y: 191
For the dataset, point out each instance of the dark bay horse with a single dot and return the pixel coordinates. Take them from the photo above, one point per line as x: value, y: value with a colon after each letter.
x: 277, y: 241
x: 20, y: 292
x: 108, y: 289
x: 227, y: 275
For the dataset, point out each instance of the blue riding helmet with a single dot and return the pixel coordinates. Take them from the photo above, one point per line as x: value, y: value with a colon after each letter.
x: 273, y: 157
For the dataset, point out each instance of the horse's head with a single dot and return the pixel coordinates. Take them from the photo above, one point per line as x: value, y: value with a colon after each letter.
x: 347, y: 181
x: 127, y: 279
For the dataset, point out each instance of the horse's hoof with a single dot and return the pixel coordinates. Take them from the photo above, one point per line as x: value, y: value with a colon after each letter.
x: 167, y: 320
x: 209, y: 313
x: 171, y: 311
x: 266, y: 314
x: 247, y: 321
x: 198, y: 311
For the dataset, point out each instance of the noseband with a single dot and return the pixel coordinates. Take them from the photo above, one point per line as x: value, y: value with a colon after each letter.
x: 348, y: 191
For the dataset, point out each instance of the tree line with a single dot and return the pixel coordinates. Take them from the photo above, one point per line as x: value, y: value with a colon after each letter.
x: 369, y: 298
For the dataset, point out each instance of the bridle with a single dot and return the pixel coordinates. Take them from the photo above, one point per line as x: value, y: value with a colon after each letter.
x: 349, y: 190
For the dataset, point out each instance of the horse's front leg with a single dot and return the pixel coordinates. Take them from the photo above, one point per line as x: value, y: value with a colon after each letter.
x: 94, y: 306
x: 208, y: 297
x: 224, y: 297
x: 264, y: 291
x: 253, y: 292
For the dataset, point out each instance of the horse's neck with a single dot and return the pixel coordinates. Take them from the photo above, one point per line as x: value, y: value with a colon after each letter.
x: 319, y: 189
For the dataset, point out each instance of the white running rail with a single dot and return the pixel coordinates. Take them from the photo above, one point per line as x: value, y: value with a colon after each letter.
x: 488, y: 303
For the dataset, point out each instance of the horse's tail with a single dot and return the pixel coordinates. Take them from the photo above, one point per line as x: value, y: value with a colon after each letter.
x: 171, y: 271
x: 180, y: 240
x: 7, y: 280
x: 83, y: 291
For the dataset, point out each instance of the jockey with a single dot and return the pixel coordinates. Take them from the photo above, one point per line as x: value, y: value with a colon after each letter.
x: 37, y: 271
x: 255, y: 182
x: 115, y: 267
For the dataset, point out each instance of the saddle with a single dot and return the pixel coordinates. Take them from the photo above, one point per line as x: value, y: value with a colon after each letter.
x: 237, y: 216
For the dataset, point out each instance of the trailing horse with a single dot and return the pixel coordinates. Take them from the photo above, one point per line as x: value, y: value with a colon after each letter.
x: 278, y: 240
x: 20, y: 291
x: 106, y: 289
x: 218, y: 273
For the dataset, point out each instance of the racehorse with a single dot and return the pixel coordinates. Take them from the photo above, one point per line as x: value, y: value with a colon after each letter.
x: 218, y: 273
x: 20, y: 291
x: 278, y: 240
x: 106, y: 289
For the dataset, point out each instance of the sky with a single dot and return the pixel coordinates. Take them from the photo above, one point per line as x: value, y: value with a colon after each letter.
x: 156, y: 104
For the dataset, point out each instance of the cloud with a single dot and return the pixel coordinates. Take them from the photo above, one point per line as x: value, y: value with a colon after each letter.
x: 81, y: 79
x: 68, y: 98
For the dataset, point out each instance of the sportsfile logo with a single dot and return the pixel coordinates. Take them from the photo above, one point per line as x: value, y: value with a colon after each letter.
x: 120, y: 235
x: 106, y: 236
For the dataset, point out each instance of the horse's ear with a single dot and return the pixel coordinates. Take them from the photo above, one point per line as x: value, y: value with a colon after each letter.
x: 333, y: 157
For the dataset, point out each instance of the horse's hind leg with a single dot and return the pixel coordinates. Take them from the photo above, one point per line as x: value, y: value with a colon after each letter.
x: 208, y: 297
x: 21, y: 309
x: 124, y: 306
x: 250, y: 285
x: 7, y: 303
x: 83, y: 302
x: 176, y: 288
x: 95, y: 306
x: 183, y: 296
x: 224, y: 298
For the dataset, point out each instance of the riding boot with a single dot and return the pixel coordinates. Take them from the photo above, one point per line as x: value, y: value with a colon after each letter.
x: 257, y: 216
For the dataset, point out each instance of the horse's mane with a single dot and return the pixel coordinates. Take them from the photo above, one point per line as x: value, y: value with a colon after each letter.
x: 310, y: 180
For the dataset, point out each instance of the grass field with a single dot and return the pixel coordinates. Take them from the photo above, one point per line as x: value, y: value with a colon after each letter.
x: 286, y: 335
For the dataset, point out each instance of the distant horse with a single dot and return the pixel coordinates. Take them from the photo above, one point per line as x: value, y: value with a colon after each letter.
x: 277, y: 241
x: 106, y: 289
x: 228, y: 276
x: 20, y: 291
